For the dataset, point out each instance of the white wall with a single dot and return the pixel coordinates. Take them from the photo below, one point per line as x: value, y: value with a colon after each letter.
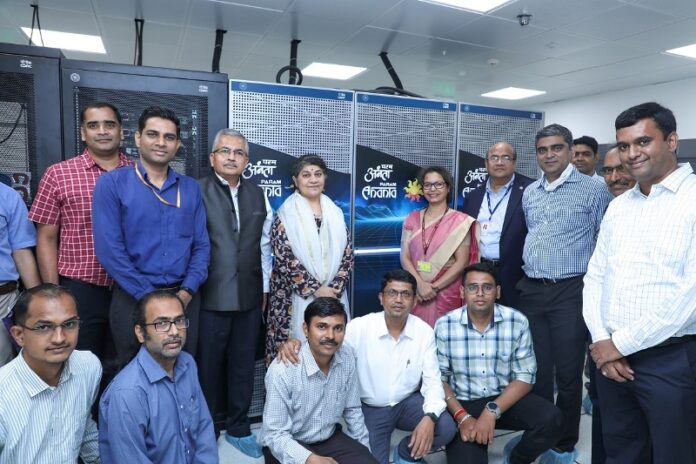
x: 594, y: 115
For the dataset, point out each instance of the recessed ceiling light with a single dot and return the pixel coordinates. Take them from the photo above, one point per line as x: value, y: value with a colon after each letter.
x: 479, y: 6
x: 513, y: 93
x: 688, y: 51
x: 66, y: 40
x: 332, y: 71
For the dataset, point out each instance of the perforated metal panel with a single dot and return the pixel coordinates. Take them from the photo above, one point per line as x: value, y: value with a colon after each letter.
x: 421, y: 132
x: 15, y: 139
x: 481, y: 126
x: 296, y: 120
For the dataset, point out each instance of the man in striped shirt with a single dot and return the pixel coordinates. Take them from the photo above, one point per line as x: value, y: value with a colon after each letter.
x: 563, y: 210
x: 49, y: 388
x: 640, y: 298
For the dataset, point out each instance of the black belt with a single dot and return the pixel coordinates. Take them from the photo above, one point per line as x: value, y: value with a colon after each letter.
x: 8, y: 287
x: 171, y: 287
x: 676, y: 340
x: 494, y: 262
x: 548, y: 281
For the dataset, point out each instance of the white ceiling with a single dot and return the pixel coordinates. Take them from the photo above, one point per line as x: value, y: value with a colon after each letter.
x: 571, y: 48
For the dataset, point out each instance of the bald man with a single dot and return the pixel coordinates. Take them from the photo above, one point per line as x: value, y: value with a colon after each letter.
x: 497, y: 204
x: 615, y: 175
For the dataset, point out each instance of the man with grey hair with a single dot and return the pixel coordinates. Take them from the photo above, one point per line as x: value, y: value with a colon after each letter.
x: 233, y: 298
x: 563, y: 210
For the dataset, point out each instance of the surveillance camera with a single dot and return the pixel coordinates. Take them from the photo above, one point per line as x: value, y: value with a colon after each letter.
x: 524, y: 19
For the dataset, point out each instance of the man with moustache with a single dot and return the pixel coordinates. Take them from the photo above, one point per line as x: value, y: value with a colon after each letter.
x: 563, y: 209
x: 232, y: 298
x: 640, y: 298
x: 497, y: 204
x: 616, y: 176
x: 150, y: 231
x: 49, y: 388
x: 154, y: 409
x: 62, y: 209
x: 400, y: 386
x: 488, y: 370
x: 586, y: 156
x: 306, y: 401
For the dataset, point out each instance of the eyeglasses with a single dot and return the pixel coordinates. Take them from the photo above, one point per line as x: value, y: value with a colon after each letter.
x: 487, y: 289
x: 227, y: 151
x: 434, y: 185
x: 405, y: 294
x: 45, y: 329
x: 166, y: 325
x: 556, y: 149
x: 504, y: 159
x: 609, y: 170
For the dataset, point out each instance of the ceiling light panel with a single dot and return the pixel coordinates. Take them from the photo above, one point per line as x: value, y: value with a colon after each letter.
x: 66, y: 40
x: 332, y: 71
x: 479, y: 6
x: 513, y: 93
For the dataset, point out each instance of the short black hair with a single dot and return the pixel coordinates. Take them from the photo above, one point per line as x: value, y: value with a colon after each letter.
x: 398, y: 275
x: 589, y: 141
x: 307, y: 160
x: 49, y: 291
x: 444, y: 173
x: 663, y: 117
x: 555, y: 129
x: 158, y: 112
x: 324, y: 306
x: 97, y: 105
x: 140, y: 309
x: 488, y: 268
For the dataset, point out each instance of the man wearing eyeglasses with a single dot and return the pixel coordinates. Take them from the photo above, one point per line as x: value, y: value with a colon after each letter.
x: 497, y: 204
x: 234, y: 295
x: 400, y: 385
x: 563, y: 209
x: 154, y: 409
x: 49, y: 388
x: 488, y: 369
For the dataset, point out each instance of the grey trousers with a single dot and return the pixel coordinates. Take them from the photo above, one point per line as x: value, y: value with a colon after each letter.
x: 7, y: 351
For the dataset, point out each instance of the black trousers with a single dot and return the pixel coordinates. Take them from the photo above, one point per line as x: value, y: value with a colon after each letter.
x: 559, y: 334
x: 226, y: 358
x: 656, y: 410
x: 539, y: 418
x: 598, y: 454
x: 93, y: 303
x: 122, y: 323
x: 339, y: 446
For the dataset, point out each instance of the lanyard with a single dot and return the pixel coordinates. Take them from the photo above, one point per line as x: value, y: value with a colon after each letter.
x: 426, y: 244
x: 157, y: 195
x: 488, y: 198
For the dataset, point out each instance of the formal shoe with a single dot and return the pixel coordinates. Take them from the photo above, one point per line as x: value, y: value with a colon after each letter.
x: 399, y: 460
x: 247, y: 445
x: 553, y: 456
x: 508, y: 448
x: 587, y: 405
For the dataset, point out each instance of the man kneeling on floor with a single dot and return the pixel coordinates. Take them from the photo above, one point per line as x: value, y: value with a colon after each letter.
x: 306, y: 401
x: 488, y: 370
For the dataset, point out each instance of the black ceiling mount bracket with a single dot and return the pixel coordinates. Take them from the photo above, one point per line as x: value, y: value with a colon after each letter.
x: 217, y: 50
x: 294, y: 73
x: 138, y: 58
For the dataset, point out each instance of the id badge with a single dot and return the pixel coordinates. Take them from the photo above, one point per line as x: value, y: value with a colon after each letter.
x: 424, y: 266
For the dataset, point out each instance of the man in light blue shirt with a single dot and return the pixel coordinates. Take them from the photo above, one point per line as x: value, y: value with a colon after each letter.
x: 563, y: 210
x: 154, y: 410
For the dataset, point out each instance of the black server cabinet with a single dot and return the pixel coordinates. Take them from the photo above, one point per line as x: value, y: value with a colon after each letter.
x: 199, y: 99
x: 30, y: 126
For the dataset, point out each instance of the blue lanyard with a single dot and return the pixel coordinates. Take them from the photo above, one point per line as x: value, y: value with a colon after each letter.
x: 488, y: 198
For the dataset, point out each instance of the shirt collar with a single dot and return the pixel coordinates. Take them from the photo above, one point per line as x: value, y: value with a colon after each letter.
x: 383, y: 331
x: 497, y: 316
x: 565, y: 176
x: 89, y: 163
x: 310, y: 363
x: 227, y: 184
x: 673, y: 181
x: 154, y: 371
x: 502, y: 190
x: 35, y: 384
x: 172, y: 175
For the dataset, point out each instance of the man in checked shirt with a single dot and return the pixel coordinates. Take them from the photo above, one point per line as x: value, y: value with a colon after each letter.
x: 305, y: 401
x: 63, y: 211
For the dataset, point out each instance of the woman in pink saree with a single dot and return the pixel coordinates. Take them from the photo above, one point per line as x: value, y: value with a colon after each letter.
x: 437, y: 243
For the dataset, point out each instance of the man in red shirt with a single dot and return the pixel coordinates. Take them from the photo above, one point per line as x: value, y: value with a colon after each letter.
x: 62, y: 210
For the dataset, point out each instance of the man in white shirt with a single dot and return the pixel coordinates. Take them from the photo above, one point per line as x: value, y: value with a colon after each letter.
x: 400, y: 386
x: 640, y: 298
x: 49, y: 388
x: 586, y: 156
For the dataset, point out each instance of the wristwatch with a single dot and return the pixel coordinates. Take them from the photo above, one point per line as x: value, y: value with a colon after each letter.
x: 493, y: 407
x: 432, y: 416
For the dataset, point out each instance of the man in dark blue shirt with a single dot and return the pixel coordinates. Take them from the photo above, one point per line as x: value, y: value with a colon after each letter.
x: 150, y: 230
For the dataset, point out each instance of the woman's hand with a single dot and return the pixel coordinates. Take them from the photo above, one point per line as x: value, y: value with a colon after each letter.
x: 326, y: 291
x: 426, y: 291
